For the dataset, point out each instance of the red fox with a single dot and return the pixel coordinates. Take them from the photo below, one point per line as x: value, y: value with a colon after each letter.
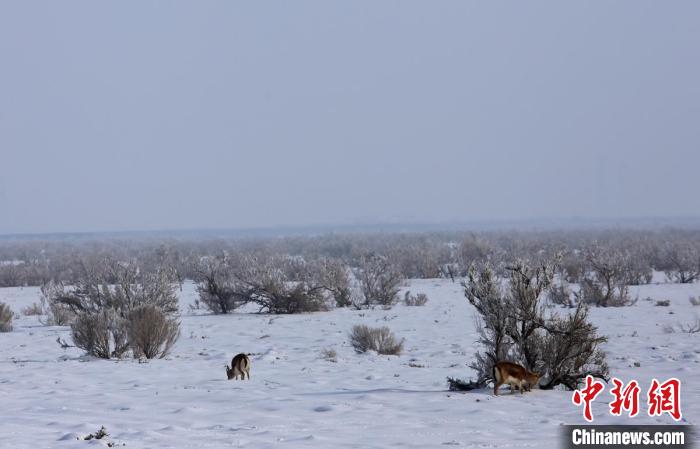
x: 240, y: 366
x: 513, y: 374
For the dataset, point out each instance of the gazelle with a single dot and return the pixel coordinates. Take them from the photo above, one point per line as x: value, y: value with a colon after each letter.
x: 240, y: 366
x: 513, y: 374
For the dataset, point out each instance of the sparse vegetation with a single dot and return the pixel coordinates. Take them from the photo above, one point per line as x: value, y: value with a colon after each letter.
x: 604, y: 285
x: 418, y: 300
x: 5, y: 318
x: 378, y: 339
x: 32, y: 310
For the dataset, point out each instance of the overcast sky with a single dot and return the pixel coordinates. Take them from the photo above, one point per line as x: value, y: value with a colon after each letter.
x: 148, y: 115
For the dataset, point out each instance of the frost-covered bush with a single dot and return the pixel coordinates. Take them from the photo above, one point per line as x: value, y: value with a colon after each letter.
x: 217, y: 287
x: 680, y: 261
x: 334, y: 276
x: 418, y: 300
x: 513, y: 326
x: 694, y: 300
x: 379, y: 281
x: 264, y: 282
x: 104, y: 299
x: 605, y: 283
x: 5, y: 318
x: 151, y: 332
x: 379, y: 339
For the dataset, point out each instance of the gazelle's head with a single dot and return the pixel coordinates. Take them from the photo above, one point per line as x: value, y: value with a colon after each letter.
x: 533, y: 378
x: 229, y: 372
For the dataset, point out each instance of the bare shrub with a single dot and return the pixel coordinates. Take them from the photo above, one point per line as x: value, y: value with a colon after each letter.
x: 5, y: 318
x: 103, y: 299
x: 216, y: 287
x: 379, y: 339
x: 101, y: 334
x: 695, y: 301
x: 264, y: 282
x: 119, y: 286
x: 604, y: 285
x: 680, y: 260
x: 663, y: 303
x: 32, y: 310
x: 152, y: 333
x: 571, y: 350
x: 691, y: 328
x: 379, y: 281
x: 333, y: 275
x: 418, y: 300
x: 513, y: 327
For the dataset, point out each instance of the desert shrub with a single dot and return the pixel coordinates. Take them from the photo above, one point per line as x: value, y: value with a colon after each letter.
x: 101, y: 334
x: 418, y: 300
x: 119, y: 286
x: 329, y: 354
x: 333, y: 275
x: 570, y: 350
x: 216, y: 286
x: 151, y: 332
x: 513, y: 326
x: 5, y: 318
x: 663, y: 303
x: 605, y: 283
x: 379, y: 281
x: 379, y: 339
x: 636, y: 267
x: 103, y: 300
x: 32, y: 310
x: 680, y: 261
x: 263, y: 282
x: 695, y: 301
x: 690, y: 328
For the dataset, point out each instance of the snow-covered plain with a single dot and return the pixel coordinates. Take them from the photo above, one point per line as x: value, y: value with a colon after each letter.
x: 50, y: 397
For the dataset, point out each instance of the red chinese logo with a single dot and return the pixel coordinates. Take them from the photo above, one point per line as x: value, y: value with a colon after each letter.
x: 662, y: 397
x: 625, y: 399
x: 588, y: 395
x: 665, y: 398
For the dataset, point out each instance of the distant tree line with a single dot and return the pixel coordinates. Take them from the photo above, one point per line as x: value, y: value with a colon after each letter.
x: 614, y: 257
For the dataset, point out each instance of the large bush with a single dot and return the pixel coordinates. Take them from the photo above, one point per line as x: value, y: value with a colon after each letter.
x: 379, y: 281
x: 513, y: 326
x: 217, y: 286
x: 152, y: 333
x: 108, y: 301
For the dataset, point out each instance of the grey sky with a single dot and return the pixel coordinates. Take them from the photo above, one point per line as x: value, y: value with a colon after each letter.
x: 167, y: 115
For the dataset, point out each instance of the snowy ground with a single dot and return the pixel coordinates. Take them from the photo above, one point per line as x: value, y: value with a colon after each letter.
x: 50, y: 396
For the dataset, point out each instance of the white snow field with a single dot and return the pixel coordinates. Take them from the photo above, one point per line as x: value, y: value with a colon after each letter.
x: 51, y: 397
